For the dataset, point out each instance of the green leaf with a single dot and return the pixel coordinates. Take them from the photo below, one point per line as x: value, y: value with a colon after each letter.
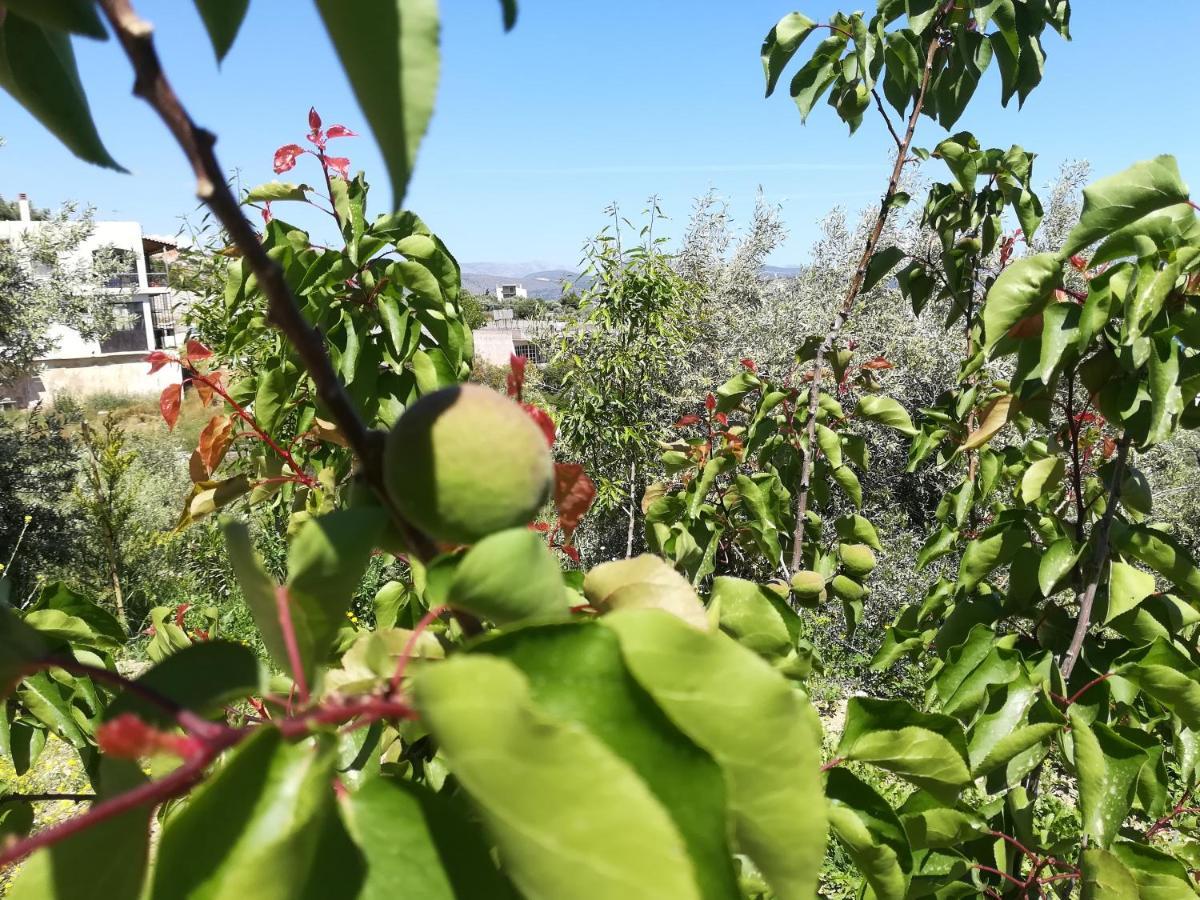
x: 830, y: 444
x: 781, y: 44
x: 75, y: 16
x: 37, y: 67
x: 644, y: 582
x: 816, y: 75
x: 326, y: 561
x: 62, y: 598
x: 730, y: 395
x: 389, y: 50
x: 929, y: 824
x: 1160, y: 552
x: 577, y: 674
x: 1166, y: 675
x: 253, y: 828
x: 995, y: 547
x: 200, y: 677
x: 44, y: 700
x: 881, y: 263
x: 419, y: 844
x: 270, y: 397
x: 747, y: 611
x: 1119, y: 200
x: 222, y: 19
x: 258, y: 589
x: 19, y: 646
x: 107, y: 859
x: 871, y: 833
x: 855, y: 529
x: 509, y: 576
x: 1127, y: 587
x: 1159, y: 876
x: 497, y: 741
x: 1107, y: 766
x: 1105, y: 877
x: 1041, y: 477
x: 849, y: 483
x: 928, y: 749
x: 1166, y: 393
x: 971, y: 667
x: 885, y: 411
x: 277, y: 190
x: 763, y: 734
x: 1058, y: 560
x: 1015, y: 719
x: 1019, y: 291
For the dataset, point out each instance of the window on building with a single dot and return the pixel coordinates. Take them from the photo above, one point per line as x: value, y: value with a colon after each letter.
x: 118, y: 264
x: 129, y: 331
x: 528, y: 350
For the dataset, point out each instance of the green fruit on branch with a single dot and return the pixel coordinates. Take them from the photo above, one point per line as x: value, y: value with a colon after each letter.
x: 857, y: 559
x: 847, y: 588
x: 809, y: 587
x: 465, y: 462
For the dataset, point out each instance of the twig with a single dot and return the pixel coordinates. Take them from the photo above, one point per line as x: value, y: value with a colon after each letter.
x: 887, y: 120
x: 411, y: 645
x: 136, y: 36
x: 856, y: 283
x: 283, y: 610
x: 1101, y: 556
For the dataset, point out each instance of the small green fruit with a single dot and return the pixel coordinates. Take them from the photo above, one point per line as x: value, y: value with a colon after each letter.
x: 857, y: 560
x: 465, y: 462
x: 847, y: 588
x: 809, y: 587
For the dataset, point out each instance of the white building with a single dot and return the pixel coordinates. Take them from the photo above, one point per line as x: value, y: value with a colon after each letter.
x: 510, y: 292
x: 505, y: 336
x: 146, y: 321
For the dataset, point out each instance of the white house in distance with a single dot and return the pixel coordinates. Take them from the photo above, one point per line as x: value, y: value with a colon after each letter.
x: 511, y: 292
x: 116, y: 364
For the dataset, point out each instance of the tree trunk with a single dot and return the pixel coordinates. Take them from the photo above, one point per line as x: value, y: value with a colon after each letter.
x: 633, y: 503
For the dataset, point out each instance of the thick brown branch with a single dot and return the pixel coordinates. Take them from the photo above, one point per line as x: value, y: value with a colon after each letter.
x: 843, y: 313
x: 151, y: 84
x: 1102, y: 530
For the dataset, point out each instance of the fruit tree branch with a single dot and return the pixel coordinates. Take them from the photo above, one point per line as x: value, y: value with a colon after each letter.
x: 136, y: 36
x: 856, y: 283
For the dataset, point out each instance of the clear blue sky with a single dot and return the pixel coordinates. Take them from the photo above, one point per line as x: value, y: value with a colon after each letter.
x: 585, y: 103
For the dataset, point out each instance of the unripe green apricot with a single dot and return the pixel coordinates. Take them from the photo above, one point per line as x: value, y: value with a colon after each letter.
x: 857, y: 559
x: 846, y: 588
x: 809, y: 587
x: 465, y: 462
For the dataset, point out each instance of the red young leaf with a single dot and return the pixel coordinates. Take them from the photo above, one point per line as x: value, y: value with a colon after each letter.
x: 543, y: 527
x: 214, y: 442
x: 750, y: 364
x: 723, y: 419
x: 573, y: 494
x: 285, y: 157
x: 128, y: 737
x: 686, y: 420
x: 543, y: 420
x: 1110, y: 447
x: 158, y: 359
x: 266, y: 212
x: 570, y: 551
x: 168, y: 403
x: 180, y: 612
x: 879, y: 362
x: 852, y: 345
x: 516, y: 375
x: 339, y: 164
x: 196, y: 350
x: 314, y: 120
x: 1079, y: 263
x: 710, y: 402
x: 336, y: 131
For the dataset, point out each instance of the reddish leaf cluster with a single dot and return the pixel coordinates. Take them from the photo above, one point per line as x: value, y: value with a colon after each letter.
x: 128, y: 737
x: 286, y: 156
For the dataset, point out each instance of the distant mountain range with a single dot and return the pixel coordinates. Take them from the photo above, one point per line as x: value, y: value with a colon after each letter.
x: 545, y: 282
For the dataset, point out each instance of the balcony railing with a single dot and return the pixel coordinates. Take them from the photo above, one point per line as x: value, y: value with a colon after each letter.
x: 131, y: 281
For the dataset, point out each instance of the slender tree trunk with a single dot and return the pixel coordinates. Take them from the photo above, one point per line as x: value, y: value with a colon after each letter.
x: 633, y: 502
x: 118, y: 598
x: 843, y: 313
x: 1101, y: 557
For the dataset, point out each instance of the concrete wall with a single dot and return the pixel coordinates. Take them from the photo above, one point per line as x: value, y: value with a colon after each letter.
x: 113, y: 373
